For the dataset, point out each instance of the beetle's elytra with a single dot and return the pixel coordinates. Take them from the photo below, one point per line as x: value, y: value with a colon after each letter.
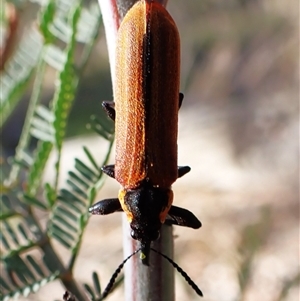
x: 146, y: 96
x: 146, y: 107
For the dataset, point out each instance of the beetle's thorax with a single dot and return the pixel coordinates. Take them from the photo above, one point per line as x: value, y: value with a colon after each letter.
x: 146, y: 208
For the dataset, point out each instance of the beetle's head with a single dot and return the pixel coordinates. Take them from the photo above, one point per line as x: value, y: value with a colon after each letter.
x: 146, y: 208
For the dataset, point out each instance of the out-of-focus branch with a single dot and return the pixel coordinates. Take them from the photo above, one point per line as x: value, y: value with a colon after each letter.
x: 9, y: 38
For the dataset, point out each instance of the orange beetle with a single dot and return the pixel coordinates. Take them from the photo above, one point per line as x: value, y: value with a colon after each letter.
x: 146, y: 107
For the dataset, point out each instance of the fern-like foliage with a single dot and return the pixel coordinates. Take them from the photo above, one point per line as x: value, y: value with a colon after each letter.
x: 18, y: 72
x: 28, y: 260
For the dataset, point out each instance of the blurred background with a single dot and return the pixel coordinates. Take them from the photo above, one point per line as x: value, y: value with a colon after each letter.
x: 239, y: 132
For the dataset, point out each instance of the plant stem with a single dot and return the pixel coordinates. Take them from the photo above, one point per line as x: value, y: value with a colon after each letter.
x: 111, y: 23
x: 156, y: 281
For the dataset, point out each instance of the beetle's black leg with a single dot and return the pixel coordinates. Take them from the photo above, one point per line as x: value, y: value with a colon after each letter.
x: 182, y: 217
x: 182, y: 170
x: 109, y: 108
x: 109, y: 170
x: 180, y: 99
x: 106, y: 206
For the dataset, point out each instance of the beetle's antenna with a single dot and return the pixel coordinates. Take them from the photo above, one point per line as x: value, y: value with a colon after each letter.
x: 182, y: 272
x: 115, y: 275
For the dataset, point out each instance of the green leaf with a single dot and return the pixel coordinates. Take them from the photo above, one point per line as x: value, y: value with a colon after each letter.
x: 82, y: 222
x: 68, y: 197
x: 75, y: 178
x: 16, y: 76
x: 68, y: 81
x: 61, y: 240
x: 58, y: 219
x: 91, y: 158
x: 4, y: 284
x: 41, y: 135
x: 22, y: 231
x: 61, y: 29
x: 36, y: 170
x: 50, y: 195
x: 55, y: 57
x: 85, y: 170
x: 89, y: 291
x: 92, y: 194
x: 4, y: 240
x: 58, y: 230
x: 11, y: 232
x: 6, y: 215
x: 8, y: 207
x: 14, y: 291
x: 44, y: 113
x: 34, y: 202
x: 15, y: 265
x: 6, y: 202
x: 43, y: 126
x: 35, y: 265
x: 99, y: 127
x: 72, y: 206
x: 89, y: 19
x: 96, y: 283
x: 102, y: 125
x: 46, y: 18
x: 77, y: 189
x: 25, y: 161
x: 66, y: 213
x: 69, y: 216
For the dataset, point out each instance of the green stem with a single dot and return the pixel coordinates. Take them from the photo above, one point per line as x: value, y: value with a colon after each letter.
x: 25, y: 135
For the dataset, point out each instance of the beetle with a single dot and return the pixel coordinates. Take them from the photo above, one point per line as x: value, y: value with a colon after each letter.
x: 145, y: 112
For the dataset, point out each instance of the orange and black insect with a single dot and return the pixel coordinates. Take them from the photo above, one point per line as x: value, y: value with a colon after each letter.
x: 145, y: 112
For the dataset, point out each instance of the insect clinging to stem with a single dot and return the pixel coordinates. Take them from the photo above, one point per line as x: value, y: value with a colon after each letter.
x: 145, y: 111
